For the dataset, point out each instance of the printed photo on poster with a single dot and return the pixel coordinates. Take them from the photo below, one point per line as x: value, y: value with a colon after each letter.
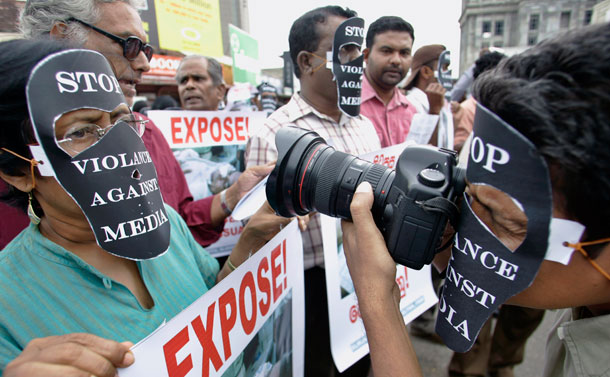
x: 269, y: 353
x: 210, y: 148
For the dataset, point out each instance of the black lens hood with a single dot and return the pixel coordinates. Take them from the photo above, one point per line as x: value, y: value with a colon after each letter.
x: 292, y: 144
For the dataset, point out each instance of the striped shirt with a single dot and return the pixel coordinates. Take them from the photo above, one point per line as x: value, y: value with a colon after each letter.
x: 47, y: 290
x: 354, y: 135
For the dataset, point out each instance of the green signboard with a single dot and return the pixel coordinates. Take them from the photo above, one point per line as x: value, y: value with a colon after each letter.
x: 244, y: 51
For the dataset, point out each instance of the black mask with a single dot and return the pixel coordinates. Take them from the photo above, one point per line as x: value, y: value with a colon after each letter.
x: 483, y: 273
x: 113, y: 181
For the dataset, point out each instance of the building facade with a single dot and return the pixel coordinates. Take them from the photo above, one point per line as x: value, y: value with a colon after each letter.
x: 514, y: 25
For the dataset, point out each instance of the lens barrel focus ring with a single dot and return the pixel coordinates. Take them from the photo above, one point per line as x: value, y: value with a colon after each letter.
x: 374, y: 174
x: 329, y: 171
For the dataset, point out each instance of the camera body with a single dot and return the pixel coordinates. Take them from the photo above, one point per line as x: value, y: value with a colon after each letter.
x: 412, y: 230
x: 410, y: 204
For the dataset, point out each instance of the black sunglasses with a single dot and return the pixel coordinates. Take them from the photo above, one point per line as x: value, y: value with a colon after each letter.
x: 131, y: 45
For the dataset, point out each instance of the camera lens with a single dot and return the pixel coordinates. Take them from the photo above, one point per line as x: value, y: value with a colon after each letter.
x: 312, y: 176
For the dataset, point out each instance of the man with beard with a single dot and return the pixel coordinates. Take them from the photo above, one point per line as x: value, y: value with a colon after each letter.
x: 389, y: 41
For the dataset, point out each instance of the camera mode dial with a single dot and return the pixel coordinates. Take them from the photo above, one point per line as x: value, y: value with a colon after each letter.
x: 431, y: 177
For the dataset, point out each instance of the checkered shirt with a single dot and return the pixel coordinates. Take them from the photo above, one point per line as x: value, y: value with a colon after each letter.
x: 354, y: 135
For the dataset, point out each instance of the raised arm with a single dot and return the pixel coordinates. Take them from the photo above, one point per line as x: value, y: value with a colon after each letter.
x: 373, y: 273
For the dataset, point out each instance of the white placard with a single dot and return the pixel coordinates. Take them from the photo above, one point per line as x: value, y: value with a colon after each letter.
x: 209, y: 146
x: 258, y: 308
x: 347, y: 335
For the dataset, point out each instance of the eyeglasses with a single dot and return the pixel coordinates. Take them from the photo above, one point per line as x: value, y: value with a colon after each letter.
x: 131, y: 45
x: 82, y: 136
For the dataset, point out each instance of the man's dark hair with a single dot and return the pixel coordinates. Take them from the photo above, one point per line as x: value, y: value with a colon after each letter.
x: 557, y: 94
x: 304, y: 32
x: 164, y: 102
x: 486, y: 62
x: 17, y: 59
x: 139, y: 105
x: 387, y: 23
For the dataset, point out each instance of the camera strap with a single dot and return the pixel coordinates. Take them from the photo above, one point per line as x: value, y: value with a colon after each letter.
x: 442, y: 205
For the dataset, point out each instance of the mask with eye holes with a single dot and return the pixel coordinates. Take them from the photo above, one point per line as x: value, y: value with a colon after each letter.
x: 483, y: 272
x: 345, y: 61
x: 113, y: 180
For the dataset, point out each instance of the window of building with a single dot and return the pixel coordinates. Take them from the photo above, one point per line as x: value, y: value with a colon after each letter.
x: 499, y: 44
x: 499, y: 30
x: 588, y: 16
x: 534, y: 21
x: 564, y: 21
x: 532, y: 40
x: 486, y: 26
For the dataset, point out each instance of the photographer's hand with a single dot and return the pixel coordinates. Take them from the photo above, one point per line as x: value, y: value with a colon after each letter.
x: 373, y: 272
x: 372, y: 268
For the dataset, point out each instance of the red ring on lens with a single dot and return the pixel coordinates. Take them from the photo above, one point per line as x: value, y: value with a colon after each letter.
x: 305, y: 171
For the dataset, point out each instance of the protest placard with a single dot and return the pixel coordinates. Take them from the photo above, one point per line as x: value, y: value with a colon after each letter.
x: 347, y: 334
x: 210, y: 146
x: 250, y: 324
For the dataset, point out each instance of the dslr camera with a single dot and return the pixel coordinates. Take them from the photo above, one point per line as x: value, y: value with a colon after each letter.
x: 412, y: 204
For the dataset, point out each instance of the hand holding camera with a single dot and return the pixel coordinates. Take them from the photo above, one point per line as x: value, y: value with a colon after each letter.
x: 411, y: 205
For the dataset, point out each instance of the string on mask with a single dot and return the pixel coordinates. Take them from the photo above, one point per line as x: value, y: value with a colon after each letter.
x: 32, y: 162
x: 579, y: 246
x: 321, y: 65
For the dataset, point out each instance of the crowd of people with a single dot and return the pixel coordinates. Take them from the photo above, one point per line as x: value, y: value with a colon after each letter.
x: 74, y: 303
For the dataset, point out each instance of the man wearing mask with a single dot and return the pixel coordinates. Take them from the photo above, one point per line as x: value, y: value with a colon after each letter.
x: 266, y: 99
x: 316, y: 107
x: 389, y: 41
x: 428, y: 95
x: 97, y: 25
x: 545, y: 210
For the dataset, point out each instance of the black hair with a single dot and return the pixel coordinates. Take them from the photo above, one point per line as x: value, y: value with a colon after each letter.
x: 164, y: 102
x: 387, y: 23
x: 17, y: 59
x: 486, y: 62
x: 139, y: 105
x: 557, y: 94
x: 304, y: 33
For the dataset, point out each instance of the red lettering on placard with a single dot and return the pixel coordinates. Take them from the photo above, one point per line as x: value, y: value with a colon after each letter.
x: 388, y: 161
x: 403, y: 284
x: 285, y: 265
x: 189, y: 129
x: 204, y: 129
x: 204, y: 334
x: 276, y: 271
x: 264, y: 286
x: 249, y: 303
x: 215, y: 126
x: 229, y: 130
x: 239, y: 129
x: 227, y: 320
x: 247, y: 283
x: 354, y: 313
x: 171, y: 348
x: 175, y: 130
